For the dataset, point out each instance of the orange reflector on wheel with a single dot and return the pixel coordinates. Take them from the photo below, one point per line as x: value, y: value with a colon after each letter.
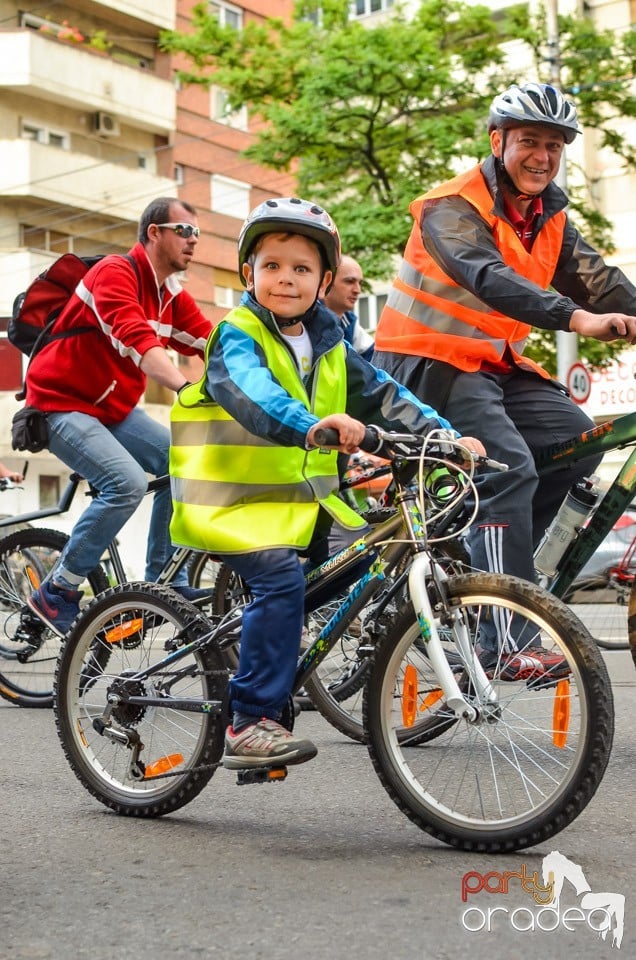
x: 561, y: 713
x: 124, y: 630
x: 409, y: 696
x: 32, y: 576
x: 431, y: 699
x: 163, y: 765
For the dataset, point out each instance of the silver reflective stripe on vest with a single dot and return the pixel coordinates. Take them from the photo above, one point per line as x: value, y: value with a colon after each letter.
x: 437, y: 321
x: 193, y: 433
x: 437, y: 288
x: 215, y: 493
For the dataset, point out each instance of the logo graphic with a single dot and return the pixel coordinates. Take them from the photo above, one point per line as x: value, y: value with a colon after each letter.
x: 602, y: 912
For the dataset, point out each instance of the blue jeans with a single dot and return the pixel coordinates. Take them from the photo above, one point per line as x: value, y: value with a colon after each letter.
x: 270, y: 632
x: 115, y: 460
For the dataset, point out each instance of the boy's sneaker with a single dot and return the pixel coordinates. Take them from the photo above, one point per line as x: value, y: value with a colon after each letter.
x: 265, y: 744
x: 56, y: 606
x: 193, y: 594
x: 529, y: 664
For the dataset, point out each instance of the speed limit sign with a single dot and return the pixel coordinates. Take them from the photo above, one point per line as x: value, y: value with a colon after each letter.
x: 578, y: 383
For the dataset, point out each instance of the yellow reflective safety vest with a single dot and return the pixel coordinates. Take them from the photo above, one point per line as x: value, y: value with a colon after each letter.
x: 235, y: 492
x: 428, y: 314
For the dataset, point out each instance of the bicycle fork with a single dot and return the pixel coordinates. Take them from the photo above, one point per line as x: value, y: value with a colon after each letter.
x: 419, y: 575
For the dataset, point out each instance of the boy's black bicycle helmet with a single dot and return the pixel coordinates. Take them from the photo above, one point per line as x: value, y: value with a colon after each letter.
x: 290, y: 215
x: 534, y: 103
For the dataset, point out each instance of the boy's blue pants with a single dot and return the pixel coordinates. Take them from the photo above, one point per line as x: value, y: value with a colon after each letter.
x: 271, y: 631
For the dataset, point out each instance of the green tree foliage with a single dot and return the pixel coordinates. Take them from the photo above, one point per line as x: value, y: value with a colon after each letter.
x: 368, y: 118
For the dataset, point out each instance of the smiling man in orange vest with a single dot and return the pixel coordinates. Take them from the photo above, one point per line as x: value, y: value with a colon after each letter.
x: 492, y: 253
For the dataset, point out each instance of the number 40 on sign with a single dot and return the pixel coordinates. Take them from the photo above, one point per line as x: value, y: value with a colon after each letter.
x: 579, y: 383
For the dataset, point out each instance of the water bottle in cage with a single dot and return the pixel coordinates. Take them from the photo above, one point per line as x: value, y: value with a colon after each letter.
x: 572, y: 514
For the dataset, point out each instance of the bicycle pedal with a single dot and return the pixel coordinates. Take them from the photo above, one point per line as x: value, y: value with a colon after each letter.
x: 260, y: 775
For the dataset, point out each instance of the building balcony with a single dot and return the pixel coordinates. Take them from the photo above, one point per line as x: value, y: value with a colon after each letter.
x: 54, y: 176
x: 63, y: 73
x: 161, y: 13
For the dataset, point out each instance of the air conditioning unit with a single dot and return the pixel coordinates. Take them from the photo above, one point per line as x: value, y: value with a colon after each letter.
x: 105, y: 124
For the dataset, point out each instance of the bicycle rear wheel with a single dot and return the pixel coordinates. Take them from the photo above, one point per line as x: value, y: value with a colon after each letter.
x: 529, y: 765
x: 137, y: 759
x: 631, y: 621
x: 603, y: 608
x: 203, y: 570
x: 28, y: 647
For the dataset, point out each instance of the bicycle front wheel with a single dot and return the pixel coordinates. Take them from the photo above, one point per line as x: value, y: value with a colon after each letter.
x: 28, y: 647
x: 530, y: 762
x: 140, y: 758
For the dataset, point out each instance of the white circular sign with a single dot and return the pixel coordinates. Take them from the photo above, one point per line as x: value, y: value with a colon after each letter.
x: 579, y: 383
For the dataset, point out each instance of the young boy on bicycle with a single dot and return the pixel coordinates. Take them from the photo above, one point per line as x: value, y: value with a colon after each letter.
x: 249, y: 482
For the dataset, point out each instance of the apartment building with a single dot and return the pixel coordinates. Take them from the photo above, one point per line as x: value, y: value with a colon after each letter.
x: 93, y: 124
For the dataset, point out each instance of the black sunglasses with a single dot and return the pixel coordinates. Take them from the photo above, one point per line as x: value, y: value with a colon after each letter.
x: 185, y: 230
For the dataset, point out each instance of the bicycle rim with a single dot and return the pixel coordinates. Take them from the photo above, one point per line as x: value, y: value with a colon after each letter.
x: 126, y: 630
x: 524, y: 770
x: 28, y: 647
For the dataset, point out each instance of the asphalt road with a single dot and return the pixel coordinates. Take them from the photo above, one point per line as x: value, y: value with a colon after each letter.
x: 321, y: 866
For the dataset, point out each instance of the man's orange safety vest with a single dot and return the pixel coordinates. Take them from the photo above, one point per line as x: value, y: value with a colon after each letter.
x: 429, y: 315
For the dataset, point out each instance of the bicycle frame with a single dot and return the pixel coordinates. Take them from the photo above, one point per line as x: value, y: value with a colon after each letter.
x: 613, y: 435
x: 384, y: 553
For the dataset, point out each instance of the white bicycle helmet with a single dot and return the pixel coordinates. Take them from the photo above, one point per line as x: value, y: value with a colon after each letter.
x: 290, y: 215
x: 534, y: 103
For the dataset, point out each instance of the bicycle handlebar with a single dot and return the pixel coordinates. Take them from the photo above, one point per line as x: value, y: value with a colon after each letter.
x: 376, y: 440
x: 329, y: 437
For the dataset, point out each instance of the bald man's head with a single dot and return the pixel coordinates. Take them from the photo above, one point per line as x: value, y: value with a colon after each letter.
x: 346, y: 287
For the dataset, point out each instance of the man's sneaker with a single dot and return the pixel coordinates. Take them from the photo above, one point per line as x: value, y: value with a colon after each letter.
x: 533, y: 663
x: 193, y: 594
x: 56, y: 606
x: 265, y: 744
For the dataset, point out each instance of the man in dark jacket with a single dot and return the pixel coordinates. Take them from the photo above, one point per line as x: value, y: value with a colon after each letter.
x: 491, y: 254
x: 126, y: 311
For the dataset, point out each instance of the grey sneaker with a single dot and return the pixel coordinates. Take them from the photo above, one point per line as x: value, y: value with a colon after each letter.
x: 265, y: 744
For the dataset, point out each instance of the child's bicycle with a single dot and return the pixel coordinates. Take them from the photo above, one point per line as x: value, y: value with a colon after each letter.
x: 28, y: 646
x: 141, y: 689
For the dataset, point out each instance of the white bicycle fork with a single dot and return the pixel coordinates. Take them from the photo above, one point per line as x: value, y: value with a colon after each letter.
x: 419, y: 574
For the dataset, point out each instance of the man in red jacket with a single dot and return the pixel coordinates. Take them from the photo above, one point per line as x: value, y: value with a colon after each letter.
x: 125, y: 312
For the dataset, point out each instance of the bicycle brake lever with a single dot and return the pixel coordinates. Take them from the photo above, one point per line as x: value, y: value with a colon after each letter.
x: 494, y: 464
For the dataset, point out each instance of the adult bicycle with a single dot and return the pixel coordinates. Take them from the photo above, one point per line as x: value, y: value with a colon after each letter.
x: 141, y: 690
x: 605, y: 608
x: 28, y: 646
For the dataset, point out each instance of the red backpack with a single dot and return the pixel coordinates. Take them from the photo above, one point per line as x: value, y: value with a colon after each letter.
x: 38, y: 307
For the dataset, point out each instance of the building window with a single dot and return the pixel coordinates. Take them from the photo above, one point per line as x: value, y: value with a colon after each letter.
x: 178, y: 174
x: 227, y: 297
x: 30, y: 130
x: 220, y: 111
x: 364, y: 8
x: 39, y: 238
x: 228, y: 16
x: 369, y: 309
x: 231, y: 197
x: 49, y: 488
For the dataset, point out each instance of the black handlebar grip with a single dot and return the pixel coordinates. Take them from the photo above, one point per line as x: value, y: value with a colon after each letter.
x: 328, y: 437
